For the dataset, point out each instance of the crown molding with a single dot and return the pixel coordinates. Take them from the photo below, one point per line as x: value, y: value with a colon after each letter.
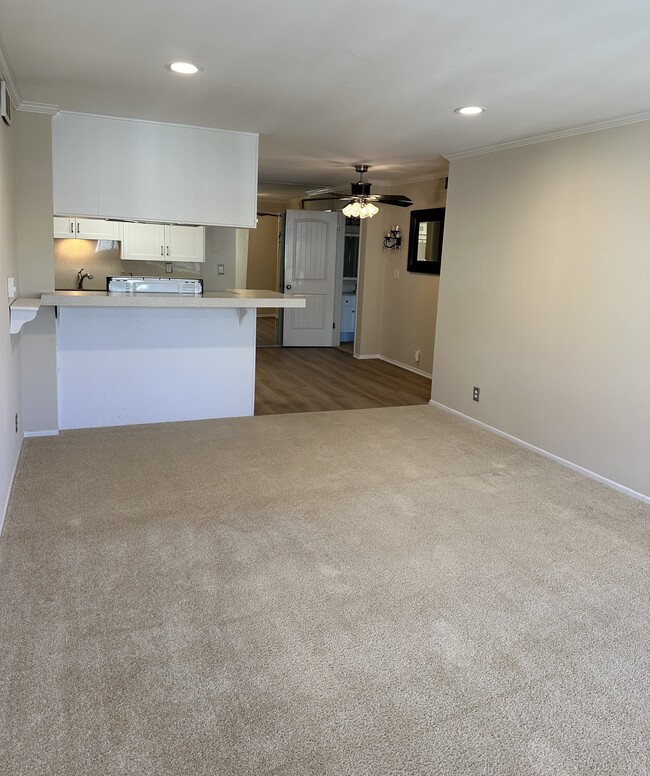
x: 579, y: 129
x: 38, y: 107
x: 430, y: 176
x: 8, y: 75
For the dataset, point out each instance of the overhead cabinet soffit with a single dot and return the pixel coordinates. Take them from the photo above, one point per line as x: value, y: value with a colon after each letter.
x: 132, y: 170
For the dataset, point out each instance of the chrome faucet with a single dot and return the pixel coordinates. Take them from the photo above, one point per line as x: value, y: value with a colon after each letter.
x: 81, y: 276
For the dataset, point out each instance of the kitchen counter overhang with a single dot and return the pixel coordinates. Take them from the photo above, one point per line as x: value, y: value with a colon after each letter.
x: 235, y: 298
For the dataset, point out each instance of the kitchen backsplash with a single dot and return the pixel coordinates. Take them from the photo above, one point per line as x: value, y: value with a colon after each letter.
x: 101, y: 258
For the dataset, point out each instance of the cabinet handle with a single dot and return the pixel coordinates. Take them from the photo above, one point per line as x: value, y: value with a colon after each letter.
x: 77, y: 227
x: 168, y: 250
x: 161, y: 251
x: 72, y: 226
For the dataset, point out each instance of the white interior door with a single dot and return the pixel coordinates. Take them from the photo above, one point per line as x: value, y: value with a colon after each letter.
x: 313, y: 244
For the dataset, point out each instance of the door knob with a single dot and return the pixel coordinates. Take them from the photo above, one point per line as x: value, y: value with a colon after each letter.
x: 288, y: 286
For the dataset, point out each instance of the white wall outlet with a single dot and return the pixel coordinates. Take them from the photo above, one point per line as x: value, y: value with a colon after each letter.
x: 221, y: 269
x: 396, y: 273
x: 11, y: 288
x: 417, y: 354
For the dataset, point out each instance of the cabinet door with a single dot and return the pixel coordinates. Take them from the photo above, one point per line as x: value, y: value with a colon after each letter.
x: 64, y: 227
x: 347, y: 312
x: 144, y: 242
x: 184, y: 243
x: 98, y: 229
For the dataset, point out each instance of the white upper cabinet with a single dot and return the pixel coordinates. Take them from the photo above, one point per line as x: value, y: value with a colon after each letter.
x: 110, y: 167
x: 87, y: 228
x: 185, y: 243
x: 158, y: 242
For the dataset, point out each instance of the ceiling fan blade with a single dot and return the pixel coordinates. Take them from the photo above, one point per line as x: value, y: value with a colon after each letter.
x: 398, y: 200
x: 327, y: 198
x: 318, y: 192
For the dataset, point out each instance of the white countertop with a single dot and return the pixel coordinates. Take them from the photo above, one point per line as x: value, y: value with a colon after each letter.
x: 234, y: 298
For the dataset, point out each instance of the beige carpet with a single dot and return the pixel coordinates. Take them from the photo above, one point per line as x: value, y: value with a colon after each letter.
x: 388, y: 591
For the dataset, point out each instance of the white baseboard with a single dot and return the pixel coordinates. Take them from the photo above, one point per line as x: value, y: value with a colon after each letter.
x: 361, y: 358
x: 545, y: 453
x: 52, y: 432
x: 420, y: 372
x: 11, y: 485
x: 397, y: 363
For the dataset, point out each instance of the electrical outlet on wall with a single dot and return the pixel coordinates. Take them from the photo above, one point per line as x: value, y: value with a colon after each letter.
x: 417, y: 354
x: 11, y: 288
x: 221, y: 270
x: 476, y: 393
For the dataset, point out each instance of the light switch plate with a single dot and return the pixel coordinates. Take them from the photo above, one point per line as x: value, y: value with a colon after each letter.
x: 221, y: 269
x: 11, y: 288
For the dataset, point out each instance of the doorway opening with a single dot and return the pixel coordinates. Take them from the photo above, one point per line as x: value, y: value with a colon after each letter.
x: 349, y: 285
x: 264, y: 271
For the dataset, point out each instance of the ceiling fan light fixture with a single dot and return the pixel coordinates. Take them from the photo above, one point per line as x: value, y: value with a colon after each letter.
x: 352, y: 210
x: 360, y: 209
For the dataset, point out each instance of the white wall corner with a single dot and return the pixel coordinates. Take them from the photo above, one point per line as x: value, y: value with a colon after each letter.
x: 8, y: 75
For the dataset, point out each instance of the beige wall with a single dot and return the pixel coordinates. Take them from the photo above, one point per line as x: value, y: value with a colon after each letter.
x: 370, y: 287
x: 10, y: 369
x: 263, y: 254
x: 410, y: 302
x: 264, y: 257
x: 34, y: 218
x: 545, y: 298
x: 397, y: 315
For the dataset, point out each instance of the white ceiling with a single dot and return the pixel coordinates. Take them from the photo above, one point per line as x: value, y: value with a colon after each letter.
x: 328, y: 84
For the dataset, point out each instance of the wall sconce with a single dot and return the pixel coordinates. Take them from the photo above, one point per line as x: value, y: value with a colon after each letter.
x: 393, y: 239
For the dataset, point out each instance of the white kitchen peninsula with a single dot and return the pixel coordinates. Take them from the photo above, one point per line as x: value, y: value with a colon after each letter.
x: 149, y: 358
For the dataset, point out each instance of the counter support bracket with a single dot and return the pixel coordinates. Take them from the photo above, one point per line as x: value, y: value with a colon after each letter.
x: 20, y: 312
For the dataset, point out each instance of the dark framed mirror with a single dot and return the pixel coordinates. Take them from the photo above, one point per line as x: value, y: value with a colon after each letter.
x: 425, y: 240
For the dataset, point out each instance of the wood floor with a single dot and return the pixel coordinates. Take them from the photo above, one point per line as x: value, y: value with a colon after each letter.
x: 267, y: 331
x: 321, y: 379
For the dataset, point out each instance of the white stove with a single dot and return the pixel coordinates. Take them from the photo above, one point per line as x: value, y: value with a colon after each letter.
x: 152, y: 285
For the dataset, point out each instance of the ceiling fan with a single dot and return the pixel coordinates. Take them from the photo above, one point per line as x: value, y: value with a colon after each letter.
x: 361, y: 203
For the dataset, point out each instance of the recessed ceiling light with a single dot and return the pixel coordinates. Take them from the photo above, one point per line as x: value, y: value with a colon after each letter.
x: 470, y: 110
x: 186, y: 68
